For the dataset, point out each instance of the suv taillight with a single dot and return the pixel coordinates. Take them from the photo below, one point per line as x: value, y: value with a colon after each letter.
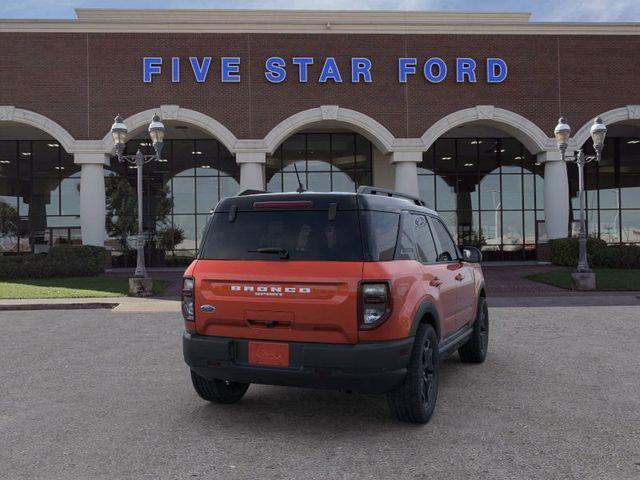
x: 375, y: 304
x: 187, y: 298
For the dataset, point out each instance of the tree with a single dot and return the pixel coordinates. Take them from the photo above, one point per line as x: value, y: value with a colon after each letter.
x: 169, y: 237
x: 9, y: 221
x: 122, y: 209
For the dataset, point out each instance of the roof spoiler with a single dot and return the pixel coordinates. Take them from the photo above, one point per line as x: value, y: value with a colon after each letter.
x: 365, y: 190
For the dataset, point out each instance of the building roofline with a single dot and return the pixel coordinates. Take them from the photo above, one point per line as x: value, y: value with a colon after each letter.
x: 311, y: 22
x: 286, y: 15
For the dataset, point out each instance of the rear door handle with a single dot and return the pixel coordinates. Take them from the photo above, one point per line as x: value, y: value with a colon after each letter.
x: 459, y: 277
x: 436, y: 282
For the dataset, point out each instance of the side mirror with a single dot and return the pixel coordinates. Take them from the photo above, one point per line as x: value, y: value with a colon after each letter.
x: 471, y: 254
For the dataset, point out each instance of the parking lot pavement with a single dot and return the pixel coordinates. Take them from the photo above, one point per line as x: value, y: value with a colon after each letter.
x: 102, y: 394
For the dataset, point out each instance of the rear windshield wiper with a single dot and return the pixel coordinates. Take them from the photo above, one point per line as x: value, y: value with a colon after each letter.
x: 284, y: 254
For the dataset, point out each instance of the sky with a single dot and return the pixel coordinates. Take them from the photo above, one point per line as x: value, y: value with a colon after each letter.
x: 542, y: 10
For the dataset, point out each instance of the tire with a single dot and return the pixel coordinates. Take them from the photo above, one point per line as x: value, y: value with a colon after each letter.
x: 218, y: 391
x: 415, y: 400
x: 475, y: 350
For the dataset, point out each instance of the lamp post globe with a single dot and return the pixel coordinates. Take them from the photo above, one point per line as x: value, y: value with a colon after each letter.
x: 598, y: 134
x: 156, y: 132
x: 562, y: 133
x: 119, y: 133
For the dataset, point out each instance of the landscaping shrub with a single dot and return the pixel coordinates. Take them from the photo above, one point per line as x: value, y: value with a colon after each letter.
x: 618, y: 256
x: 61, y: 261
x: 564, y: 252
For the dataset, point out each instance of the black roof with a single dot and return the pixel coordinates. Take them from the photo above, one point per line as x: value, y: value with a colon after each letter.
x: 322, y: 201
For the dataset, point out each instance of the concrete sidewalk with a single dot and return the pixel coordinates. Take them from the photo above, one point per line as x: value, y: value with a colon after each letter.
x: 117, y: 304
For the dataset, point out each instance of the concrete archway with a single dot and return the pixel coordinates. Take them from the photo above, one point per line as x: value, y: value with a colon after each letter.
x: 9, y: 113
x: 629, y: 112
x: 373, y: 130
x: 179, y: 114
x: 521, y: 128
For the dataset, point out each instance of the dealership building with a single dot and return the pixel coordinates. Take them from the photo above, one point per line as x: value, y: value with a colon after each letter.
x: 457, y: 108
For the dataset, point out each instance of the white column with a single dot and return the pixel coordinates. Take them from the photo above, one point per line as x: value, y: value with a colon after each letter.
x: 251, y: 169
x: 406, y: 166
x: 92, y: 197
x: 556, y: 194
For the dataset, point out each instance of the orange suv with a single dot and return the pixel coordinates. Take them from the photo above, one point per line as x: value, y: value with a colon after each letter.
x: 362, y: 292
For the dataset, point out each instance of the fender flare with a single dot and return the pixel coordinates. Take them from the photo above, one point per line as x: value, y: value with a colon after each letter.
x: 482, y: 288
x: 426, y: 307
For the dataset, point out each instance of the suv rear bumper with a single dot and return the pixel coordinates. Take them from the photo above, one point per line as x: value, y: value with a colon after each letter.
x: 372, y: 367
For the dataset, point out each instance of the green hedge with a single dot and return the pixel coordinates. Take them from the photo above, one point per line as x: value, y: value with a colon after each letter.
x: 61, y: 261
x: 618, y: 256
x: 564, y: 252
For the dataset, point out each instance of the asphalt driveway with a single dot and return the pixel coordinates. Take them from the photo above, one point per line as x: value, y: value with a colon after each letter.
x: 98, y: 394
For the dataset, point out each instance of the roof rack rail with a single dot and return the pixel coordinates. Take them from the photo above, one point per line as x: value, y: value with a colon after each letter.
x: 249, y: 191
x: 390, y: 193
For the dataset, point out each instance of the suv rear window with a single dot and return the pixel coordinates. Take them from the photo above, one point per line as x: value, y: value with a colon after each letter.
x: 304, y: 235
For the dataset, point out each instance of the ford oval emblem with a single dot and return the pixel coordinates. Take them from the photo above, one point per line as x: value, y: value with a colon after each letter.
x: 208, y: 308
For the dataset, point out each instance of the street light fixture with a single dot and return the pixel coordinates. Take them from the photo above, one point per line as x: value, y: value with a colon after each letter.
x: 119, y: 133
x: 598, y: 133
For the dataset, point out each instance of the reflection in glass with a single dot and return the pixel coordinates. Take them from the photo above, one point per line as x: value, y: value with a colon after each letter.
x: 490, y: 198
x: 325, y: 162
x: 630, y: 223
x: 188, y: 225
x: 207, y: 194
x: 610, y: 226
x: 495, y: 208
x: 612, y: 186
x: 530, y: 228
x: 426, y: 186
x: 512, y: 230
x: 512, y: 192
x: 183, y: 195
x: 445, y: 195
x: 39, y: 190
x: 195, y: 174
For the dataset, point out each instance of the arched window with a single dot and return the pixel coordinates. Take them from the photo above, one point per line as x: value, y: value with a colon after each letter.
x: 488, y: 191
x: 39, y: 196
x: 194, y: 175
x: 325, y: 162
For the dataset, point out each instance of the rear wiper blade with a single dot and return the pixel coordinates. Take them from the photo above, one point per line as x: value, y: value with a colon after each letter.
x: 284, y: 254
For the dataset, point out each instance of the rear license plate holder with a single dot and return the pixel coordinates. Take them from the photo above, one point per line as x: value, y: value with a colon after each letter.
x: 270, y: 354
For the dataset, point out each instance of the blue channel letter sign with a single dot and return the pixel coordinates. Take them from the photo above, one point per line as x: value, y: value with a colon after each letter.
x: 326, y: 70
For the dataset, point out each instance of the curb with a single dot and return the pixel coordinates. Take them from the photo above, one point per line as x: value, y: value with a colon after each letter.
x: 58, y: 306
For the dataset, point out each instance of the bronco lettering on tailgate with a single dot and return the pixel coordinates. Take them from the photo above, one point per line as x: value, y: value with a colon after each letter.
x: 269, y: 290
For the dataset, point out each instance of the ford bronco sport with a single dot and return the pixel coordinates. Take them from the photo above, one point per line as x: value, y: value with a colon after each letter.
x: 362, y: 292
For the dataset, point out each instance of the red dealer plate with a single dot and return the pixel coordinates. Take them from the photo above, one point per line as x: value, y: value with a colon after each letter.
x: 269, y: 353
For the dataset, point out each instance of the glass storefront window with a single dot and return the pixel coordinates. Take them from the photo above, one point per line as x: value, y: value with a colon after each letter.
x: 612, y: 191
x: 39, y: 195
x: 426, y: 185
x: 325, y: 162
x: 630, y: 224
x: 194, y: 175
x: 490, y: 191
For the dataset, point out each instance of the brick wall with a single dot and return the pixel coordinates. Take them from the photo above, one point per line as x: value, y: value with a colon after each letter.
x: 82, y: 80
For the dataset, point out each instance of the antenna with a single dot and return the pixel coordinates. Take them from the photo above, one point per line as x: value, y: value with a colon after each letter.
x: 300, y: 188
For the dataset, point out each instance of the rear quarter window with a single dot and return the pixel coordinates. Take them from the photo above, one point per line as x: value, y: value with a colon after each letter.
x: 381, y: 232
